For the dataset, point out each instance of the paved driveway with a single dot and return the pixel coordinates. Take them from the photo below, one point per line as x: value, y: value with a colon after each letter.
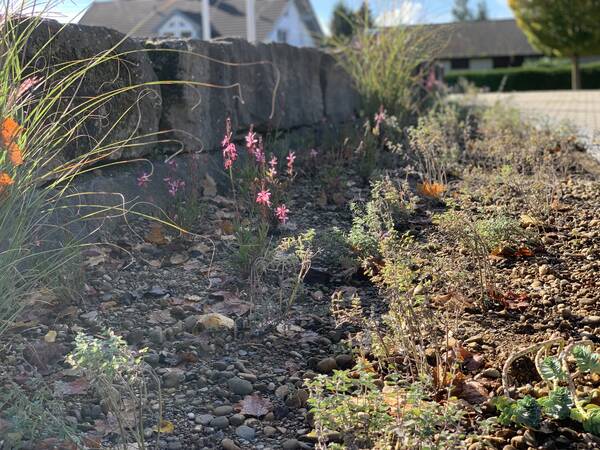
x: 581, y: 108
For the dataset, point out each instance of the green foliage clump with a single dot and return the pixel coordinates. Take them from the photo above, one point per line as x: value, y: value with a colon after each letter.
x: 390, y: 205
x: 353, y: 404
x: 525, y: 411
x: 436, y: 141
x: 526, y: 78
x: 563, y: 401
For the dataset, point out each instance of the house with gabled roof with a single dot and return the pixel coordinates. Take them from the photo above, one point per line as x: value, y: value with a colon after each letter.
x: 481, y: 45
x: 289, y: 21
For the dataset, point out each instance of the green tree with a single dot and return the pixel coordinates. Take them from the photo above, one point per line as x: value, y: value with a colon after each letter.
x: 364, y: 16
x: 461, y: 11
x: 482, y: 11
x: 343, y: 21
x: 563, y: 28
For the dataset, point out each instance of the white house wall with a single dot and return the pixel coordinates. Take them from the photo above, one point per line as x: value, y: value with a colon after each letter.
x: 481, y: 64
x: 292, y: 24
x: 179, y: 26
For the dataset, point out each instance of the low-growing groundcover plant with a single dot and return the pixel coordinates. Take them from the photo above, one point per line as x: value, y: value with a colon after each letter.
x: 563, y: 400
x: 121, y: 380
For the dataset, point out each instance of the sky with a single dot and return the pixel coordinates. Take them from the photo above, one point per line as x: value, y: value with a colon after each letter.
x: 407, y: 11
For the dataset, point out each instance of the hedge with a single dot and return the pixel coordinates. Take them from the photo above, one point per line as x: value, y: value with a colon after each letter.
x: 528, y: 78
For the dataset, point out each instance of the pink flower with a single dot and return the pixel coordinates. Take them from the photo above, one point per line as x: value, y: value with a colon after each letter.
x: 229, y: 155
x: 282, y: 213
x: 143, y: 179
x: 174, y: 185
x: 314, y: 153
x: 380, y: 116
x: 229, y: 149
x: 172, y: 163
x: 251, y: 141
x: 264, y: 197
x: 291, y: 157
x: 272, y: 171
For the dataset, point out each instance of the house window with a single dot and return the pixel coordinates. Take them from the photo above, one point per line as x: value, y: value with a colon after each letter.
x: 281, y: 35
x: 501, y: 61
x: 459, y: 63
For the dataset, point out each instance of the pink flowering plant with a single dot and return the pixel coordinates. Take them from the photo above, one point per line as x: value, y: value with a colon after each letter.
x: 259, y: 184
x: 182, y: 187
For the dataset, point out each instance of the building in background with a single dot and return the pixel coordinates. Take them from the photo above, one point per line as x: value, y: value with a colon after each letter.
x: 288, y: 21
x: 481, y: 45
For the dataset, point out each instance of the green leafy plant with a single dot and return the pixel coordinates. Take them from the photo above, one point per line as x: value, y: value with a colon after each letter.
x: 31, y: 413
x: 366, y: 415
x: 389, y: 206
x: 121, y: 380
x: 525, y: 411
x: 562, y: 401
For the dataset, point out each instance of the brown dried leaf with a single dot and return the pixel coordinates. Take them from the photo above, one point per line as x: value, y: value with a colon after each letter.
x: 76, y: 387
x: 471, y: 391
x: 156, y: 235
x: 255, y: 405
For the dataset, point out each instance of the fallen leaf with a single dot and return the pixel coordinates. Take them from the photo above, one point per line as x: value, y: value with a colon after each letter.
x: 50, y: 336
x: 288, y: 329
x: 54, y: 444
x: 231, y: 304
x: 471, y: 391
x: 255, y: 405
x: 43, y: 355
x: 76, y: 387
x: 474, y: 363
x: 528, y: 220
x: 322, y: 199
x: 93, y: 261
x: 178, y: 258
x: 166, y: 427
x: 209, y: 186
x: 524, y: 251
x: 105, y: 306
x: 227, y: 227
x: 161, y: 316
x: 156, y: 235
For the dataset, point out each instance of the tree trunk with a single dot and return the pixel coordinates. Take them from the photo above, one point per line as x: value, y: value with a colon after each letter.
x: 575, y: 73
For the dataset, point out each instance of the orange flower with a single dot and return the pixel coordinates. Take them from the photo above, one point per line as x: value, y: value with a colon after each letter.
x: 14, y: 154
x: 9, y: 131
x: 433, y: 190
x: 5, y: 180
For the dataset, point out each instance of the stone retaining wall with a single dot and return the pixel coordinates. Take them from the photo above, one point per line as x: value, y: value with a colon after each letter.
x: 270, y: 86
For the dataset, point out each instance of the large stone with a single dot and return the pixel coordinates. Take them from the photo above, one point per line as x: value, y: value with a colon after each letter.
x: 117, y: 70
x: 270, y: 86
x: 340, y: 98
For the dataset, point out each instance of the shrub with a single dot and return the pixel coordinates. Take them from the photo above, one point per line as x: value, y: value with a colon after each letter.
x: 436, y: 141
x: 386, y: 66
x: 527, y: 78
x: 390, y: 205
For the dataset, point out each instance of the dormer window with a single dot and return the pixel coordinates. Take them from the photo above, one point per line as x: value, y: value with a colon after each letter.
x: 282, y: 36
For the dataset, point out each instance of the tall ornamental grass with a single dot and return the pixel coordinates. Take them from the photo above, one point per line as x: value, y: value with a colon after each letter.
x: 388, y: 61
x: 41, y: 114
